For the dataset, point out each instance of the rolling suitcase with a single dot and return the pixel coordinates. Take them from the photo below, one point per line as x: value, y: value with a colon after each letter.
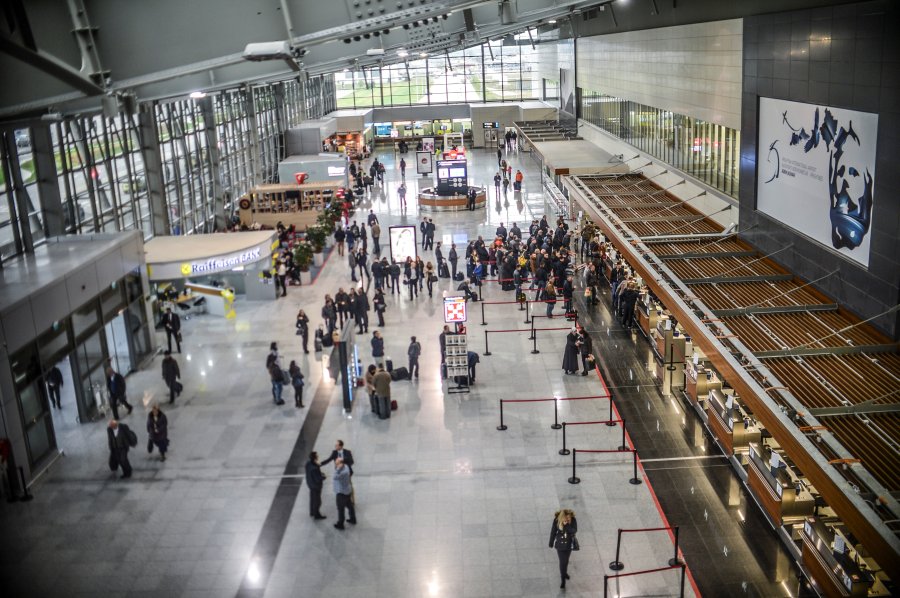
x: 389, y: 364
x: 444, y: 271
x: 384, y: 407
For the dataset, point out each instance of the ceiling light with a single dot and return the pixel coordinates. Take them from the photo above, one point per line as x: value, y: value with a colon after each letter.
x: 402, y: 53
x: 552, y: 21
x: 197, y: 95
x: 423, y: 54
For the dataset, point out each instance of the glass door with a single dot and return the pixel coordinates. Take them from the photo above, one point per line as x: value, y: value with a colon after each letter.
x: 38, y: 422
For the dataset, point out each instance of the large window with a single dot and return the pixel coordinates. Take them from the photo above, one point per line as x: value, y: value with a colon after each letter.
x: 704, y: 150
x: 499, y: 72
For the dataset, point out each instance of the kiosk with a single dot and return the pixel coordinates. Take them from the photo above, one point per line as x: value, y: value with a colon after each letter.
x: 451, y: 191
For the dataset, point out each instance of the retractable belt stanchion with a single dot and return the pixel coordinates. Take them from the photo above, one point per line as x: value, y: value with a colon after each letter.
x: 635, y: 480
x: 555, y: 425
x: 501, y: 427
x: 681, y: 566
x: 487, y: 350
x: 618, y: 565
x: 483, y: 322
x: 564, y: 451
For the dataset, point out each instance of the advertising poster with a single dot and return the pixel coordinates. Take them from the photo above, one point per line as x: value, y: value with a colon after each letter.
x: 424, y: 162
x: 428, y: 144
x: 816, y: 172
x: 455, y: 310
x: 403, y: 243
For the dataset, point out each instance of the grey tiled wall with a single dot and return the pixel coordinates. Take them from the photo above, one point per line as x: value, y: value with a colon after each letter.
x: 844, y: 56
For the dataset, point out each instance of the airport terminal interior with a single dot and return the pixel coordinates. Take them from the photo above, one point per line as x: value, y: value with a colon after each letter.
x: 450, y: 298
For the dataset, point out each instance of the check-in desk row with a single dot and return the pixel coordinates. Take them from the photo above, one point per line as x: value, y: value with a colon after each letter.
x: 835, y: 564
x: 670, y: 346
x: 732, y: 427
x: 776, y: 486
x: 699, y: 381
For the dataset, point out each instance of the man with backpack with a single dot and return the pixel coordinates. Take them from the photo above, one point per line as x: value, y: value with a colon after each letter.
x: 121, y: 438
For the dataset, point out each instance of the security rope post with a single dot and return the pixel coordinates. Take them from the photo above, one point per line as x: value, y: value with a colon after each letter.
x: 533, y: 318
x: 574, y: 479
x: 534, y: 351
x: 623, y: 446
x: 609, y: 420
x: 683, y: 575
x: 674, y: 560
x: 555, y: 425
x: 487, y: 350
x: 527, y: 311
x: 502, y: 426
x: 564, y: 450
x: 606, y: 586
x: 635, y: 480
x: 617, y: 565
x: 483, y: 322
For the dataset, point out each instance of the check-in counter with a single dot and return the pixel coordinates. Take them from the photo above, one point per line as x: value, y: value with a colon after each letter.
x: 647, y: 312
x: 669, y: 345
x: 699, y: 381
x: 734, y: 429
x: 833, y: 562
x: 776, y: 487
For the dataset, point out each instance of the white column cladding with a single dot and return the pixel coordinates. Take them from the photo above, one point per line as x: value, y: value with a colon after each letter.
x: 694, y: 70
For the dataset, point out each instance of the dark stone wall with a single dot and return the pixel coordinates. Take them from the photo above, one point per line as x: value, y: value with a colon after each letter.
x: 845, y: 56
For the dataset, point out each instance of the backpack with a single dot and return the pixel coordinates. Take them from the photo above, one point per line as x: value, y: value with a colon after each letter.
x: 132, y: 438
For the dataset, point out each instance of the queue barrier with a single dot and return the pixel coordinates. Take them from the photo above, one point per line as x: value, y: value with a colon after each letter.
x: 635, y: 480
x: 487, y: 351
x: 609, y: 422
x: 681, y: 566
x: 617, y: 565
x: 521, y: 305
x: 556, y: 425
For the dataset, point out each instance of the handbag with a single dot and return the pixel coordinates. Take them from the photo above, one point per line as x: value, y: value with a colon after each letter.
x: 432, y: 278
x: 575, y: 545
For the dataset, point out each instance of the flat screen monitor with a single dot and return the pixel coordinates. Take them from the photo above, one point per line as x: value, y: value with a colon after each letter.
x: 458, y: 172
x: 444, y: 173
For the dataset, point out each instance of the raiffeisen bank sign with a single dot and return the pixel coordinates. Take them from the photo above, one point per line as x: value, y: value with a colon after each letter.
x: 219, y: 264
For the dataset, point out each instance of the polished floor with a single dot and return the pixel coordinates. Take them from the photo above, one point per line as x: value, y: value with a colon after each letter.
x: 447, y: 505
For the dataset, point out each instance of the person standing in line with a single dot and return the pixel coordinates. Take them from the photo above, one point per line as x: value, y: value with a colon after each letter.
x: 568, y: 291
x: 276, y: 376
x: 438, y: 257
x: 549, y: 296
x: 413, y: 352
x: 303, y: 329
x: 586, y: 348
x: 343, y: 493
x: 382, y: 384
x: 429, y: 233
x: 329, y: 314
x: 401, y: 192
x: 121, y: 439
x: 54, y: 383
x: 453, y: 258
x: 115, y: 384
x: 362, y: 264
x: 340, y: 452
x: 172, y: 324
x: 351, y: 261
x: 402, y: 168
x: 562, y: 538
x: 369, y: 379
x: 378, y: 347
x: 423, y: 228
x: 315, y: 480
x: 157, y: 431
x: 380, y: 306
x: 171, y: 374
x: 361, y: 311
x: 342, y: 300
x: 297, y: 382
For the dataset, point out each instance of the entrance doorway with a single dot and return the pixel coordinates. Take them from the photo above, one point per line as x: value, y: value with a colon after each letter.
x: 490, y: 137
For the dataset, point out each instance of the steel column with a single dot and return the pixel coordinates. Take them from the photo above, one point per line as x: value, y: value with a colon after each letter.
x: 148, y: 134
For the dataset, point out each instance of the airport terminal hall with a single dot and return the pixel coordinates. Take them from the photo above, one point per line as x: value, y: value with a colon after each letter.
x: 450, y: 299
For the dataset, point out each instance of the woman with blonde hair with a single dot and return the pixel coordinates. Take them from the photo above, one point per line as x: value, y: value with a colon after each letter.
x: 549, y: 295
x: 562, y: 538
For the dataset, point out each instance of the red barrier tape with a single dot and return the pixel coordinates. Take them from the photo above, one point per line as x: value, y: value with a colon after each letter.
x: 511, y: 302
x: 604, y: 450
x: 524, y: 400
x: 583, y: 398
x: 606, y: 421
x: 644, y: 571
x: 526, y: 329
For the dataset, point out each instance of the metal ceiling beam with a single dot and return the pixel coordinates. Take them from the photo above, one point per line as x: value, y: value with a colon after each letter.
x: 778, y: 309
x: 53, y: 66
x: 733, y: 279
x: 860, y: 409
x: 699, y: 255
x: 691, y: 218
x: 812, y: 352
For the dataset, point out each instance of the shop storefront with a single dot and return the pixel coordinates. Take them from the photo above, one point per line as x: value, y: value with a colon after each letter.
x: 203, y: 274
x: 425, y: 128
x: 74, y: 307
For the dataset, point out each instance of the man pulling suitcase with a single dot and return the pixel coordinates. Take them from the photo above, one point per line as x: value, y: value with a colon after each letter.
x: 382, y: 384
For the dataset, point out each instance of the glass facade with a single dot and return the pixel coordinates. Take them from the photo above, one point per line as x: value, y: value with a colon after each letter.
x: 484, y: 73
x: 89, y: 172
x: 704, y: 150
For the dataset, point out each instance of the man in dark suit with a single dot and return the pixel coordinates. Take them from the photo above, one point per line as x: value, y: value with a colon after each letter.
x: 586, y: 348
x: 314, y: 479
x: 340, y: 451
x: 172, y: 324
x: 118, y: 436
x: 171, y: 374
x: 115, y: 383
x: 54, y: 383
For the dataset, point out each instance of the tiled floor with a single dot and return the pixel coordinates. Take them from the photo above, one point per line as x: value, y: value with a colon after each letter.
x: 447, y: 505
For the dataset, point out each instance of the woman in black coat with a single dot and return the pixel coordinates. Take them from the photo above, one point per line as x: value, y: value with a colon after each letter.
x: 562, y: 538
x: 570, y: 357
x: 157, y: 431
x: 297, y: 382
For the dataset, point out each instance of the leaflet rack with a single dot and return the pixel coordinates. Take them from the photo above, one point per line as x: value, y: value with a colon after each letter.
x: 457, y: 362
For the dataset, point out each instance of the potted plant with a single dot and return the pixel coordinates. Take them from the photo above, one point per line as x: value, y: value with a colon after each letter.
x: 315, y: 236
x: 303, y: 257
x: 326, y: 223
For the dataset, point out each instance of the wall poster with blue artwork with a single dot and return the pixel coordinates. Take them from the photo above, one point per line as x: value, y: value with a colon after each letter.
x: 816, y: 172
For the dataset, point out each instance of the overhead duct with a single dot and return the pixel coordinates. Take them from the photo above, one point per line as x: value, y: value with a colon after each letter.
x: 469, y: 18
x: 507, y: 13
